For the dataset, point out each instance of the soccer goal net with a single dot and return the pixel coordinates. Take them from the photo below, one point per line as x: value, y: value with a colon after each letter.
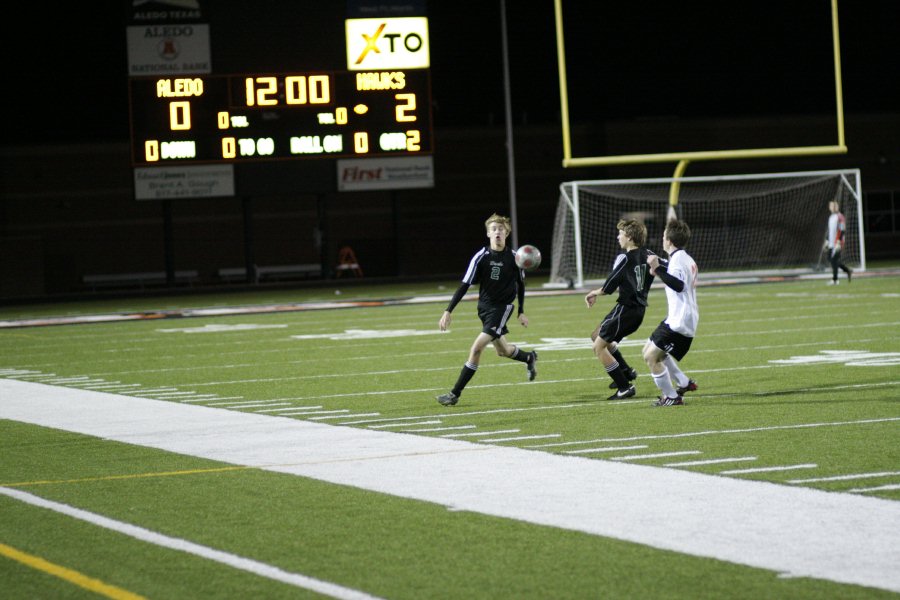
x: 771, y: 223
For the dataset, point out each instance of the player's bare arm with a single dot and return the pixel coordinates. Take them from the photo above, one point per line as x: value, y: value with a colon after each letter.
x: 444, y: 323
x: 591, y: 296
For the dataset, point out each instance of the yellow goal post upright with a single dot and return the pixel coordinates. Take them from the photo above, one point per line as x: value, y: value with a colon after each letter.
x: 682, y: 159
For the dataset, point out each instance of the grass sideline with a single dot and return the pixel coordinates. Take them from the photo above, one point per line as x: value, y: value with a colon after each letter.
x: 803, y: 377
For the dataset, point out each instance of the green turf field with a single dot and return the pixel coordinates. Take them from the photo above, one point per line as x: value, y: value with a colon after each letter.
x: 799, y: 385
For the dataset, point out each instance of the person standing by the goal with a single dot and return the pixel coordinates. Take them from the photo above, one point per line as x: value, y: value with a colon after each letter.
x: 834, y: 242
x: 672, y: 339
x: 631, y: 276
x: 501, y: 282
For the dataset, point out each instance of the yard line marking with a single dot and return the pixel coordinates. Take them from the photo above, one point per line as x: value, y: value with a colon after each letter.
x: 606, y: 449
x: 880, y: 488
x: 344, y: 416
x: 72, y: 576
x: 201, y: 398
x: 846, y: 477
x: 427, y: 429
x: 848, y: 538
x: 387, y: 425
x: 251, y: 404
x: 226, y: 558
x: 720, y: 432
x: 470, y: 413
x: 655, y: 455
x: 769, y: 469
x: 272, y: 410
x: 306, y: 411
x: 524, y: 437
x: 480, y: 433
x: 711, y: 461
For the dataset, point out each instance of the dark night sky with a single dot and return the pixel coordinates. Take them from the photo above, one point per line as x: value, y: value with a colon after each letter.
x: 627, y: 60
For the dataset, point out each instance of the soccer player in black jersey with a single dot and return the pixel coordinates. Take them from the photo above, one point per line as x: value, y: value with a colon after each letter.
x: 631, y: 276
x: 501, y: 282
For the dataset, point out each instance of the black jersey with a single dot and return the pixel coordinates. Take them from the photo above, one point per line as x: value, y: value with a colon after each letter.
x: 500, y: 280
x: 631, y: 276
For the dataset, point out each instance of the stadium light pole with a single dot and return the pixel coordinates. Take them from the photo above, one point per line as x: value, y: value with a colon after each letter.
x: 511, y: 168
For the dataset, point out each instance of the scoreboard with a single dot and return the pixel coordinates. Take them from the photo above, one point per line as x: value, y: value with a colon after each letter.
x: 379, y: 106
x: 252, y: 117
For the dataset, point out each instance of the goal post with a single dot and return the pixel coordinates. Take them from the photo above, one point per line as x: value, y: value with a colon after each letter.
x: 764, y: 224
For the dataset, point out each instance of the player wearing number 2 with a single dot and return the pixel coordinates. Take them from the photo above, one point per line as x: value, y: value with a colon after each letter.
x: 672, y: 339
x: 631, y: 276
x: 501, y: 282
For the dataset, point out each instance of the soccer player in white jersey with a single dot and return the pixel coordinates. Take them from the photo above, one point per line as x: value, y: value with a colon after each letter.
x: 672, y: 339
x: 834, y: 242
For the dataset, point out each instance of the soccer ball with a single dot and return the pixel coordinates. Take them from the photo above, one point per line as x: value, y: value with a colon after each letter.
x: 528, y: 257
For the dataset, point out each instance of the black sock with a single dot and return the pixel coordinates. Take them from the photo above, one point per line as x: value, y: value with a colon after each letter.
x: 521, y: 356
x: 615, y: 371
x: 465, y: 375
x: 618, y: 356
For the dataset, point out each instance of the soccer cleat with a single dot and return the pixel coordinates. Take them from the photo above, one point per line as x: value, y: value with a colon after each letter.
x: 531, y: 365
x: 666, y: 401
x: 448, y: 399
x: 690, y: 387
x: 622, y: 394
x: 833, y: 282
x: 630, y: 375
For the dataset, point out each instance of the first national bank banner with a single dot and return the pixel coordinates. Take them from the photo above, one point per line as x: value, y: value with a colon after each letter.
x: 367, y: 174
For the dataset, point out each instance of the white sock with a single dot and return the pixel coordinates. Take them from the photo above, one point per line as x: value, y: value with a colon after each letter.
x: 676, y: 373
x: 664, y: 384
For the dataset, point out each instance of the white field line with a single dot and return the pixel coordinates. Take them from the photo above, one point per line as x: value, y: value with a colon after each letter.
x: 846, y: 477
x: 371, y: 414
x: 711, y: 461
x: 522, y: 437
x: 669, y: 436
x: 656, y: 455
x: 393, y: 425
x: 226, y: 558
x: 273, y: 410
x: 769, y: 469
x: 252, y: 404
x: 480, y: 433
x: 606, y: 449
x: 431, y: 429
x: 881, y: 488
x: 838, y: 537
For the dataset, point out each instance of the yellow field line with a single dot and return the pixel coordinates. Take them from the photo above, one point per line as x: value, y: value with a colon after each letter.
x: 79, y: 579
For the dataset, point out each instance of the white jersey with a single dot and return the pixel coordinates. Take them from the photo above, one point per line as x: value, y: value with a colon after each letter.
x: 683, y: 313
x: 837, y: 226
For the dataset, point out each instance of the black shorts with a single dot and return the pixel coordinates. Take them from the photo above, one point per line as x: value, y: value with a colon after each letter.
x: 621, y: 321
x: 671, y: 342
x: 494, y: 319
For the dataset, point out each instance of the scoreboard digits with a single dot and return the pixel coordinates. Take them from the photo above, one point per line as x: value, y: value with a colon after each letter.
x: 235, y: 118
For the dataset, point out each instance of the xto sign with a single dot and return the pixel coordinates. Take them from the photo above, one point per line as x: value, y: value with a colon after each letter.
x: 396, y: 43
